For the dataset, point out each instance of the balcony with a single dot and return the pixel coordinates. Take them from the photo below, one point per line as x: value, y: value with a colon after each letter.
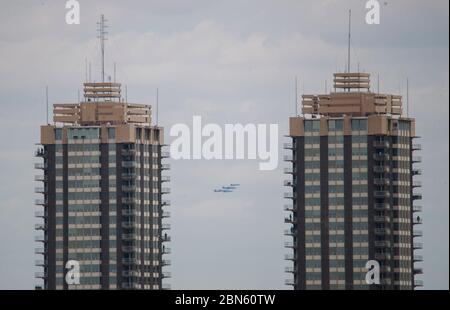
x: 289, y: 232
x: 416, y: 147
x: 128, y: 273
x: 288, y: 170
x: 166, y: 262
x: 289, y: 257
x: 289, y: 158
x: 40, y: 239
x: 381, y: 144
x: 128, y: 175
x: 39, y: 226
x: 128, y: 200
x: 165, y: 214
x: 165, y: 203
x: 380, y: 157
x: 289, y: 245
x: 380, y: 169
x: 418, y: 271
x: 288, y: 183
x: 128, y: 237
x: 418, y: 283
x: 165, y: 178
x: 289, y: 195
x: 417, y: 245
x: 129, y: 164
x: 289, y: 208
x: 416, y: 184
x: 166, y: 274
x: 41, y: 166
x: 381, y: 181
x: 165, y: 154
x: 40, y: 190
x: 382, y: 244
x: 128, y: 152
x: 417, y: 233
x: 165, y: 190
x: 39, y: 214
x: 39, y: 251
x: 130, y: 261
x: 129, y: 248
x: 289, y: 282
x: 381, y: 219
x: 165, y: 238
x: 166, y: 250
x: 128, y: 188
x: 380, y: 231
x: 165, y: 286
x: 417, y: 221
x: 127, y: 212
x: 417, y: 172
x: 381, y: 194
x: 128, y: 225
x: 418, y: 258
x: 289, y: 270
x: 417, y: 208
x: 165, y: 226
x: 417, y: 196
x: 288, y: 146
x: 40, y: 178
x: 416, y: 159
x: 39, y: 262
x: 382, y: 256
x: 40, y: 275
x: 290, y: 220
x: 382, y: 206
x: 165, y: 167
x: 40, y: 152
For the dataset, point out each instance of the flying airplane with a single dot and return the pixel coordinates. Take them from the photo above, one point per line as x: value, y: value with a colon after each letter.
x: 222, y: 191
x: 235, y: 185
x: 227, y: 189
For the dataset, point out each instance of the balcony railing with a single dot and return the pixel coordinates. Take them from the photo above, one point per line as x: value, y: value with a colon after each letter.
x: 290, y: 220
x: 418, y: 271
x: 40, y: 239
x: 39, y: 262
x: 416, y: 147
x: 166, y: 250
x: 418, y: 283
x: 380, y: 231
x: 128, y: 175
x: 380, y: 144
x: 165, y: 226
x: 39, y: 226
x: 128, y: 188
x: 289, y: 232
x: 40, y: 152
x: 382, y: 256
x: 417, y: 208
x: 289, y: 207
x: 289, y: 195
x: 40, y: 202
x: 128, y: 237
x: 288, y: 183
x: 380, y: 219
x: 165, y: 214
x: 128, y: 152
x: 129, y: 164
x: 380, y: 157
x: 288, y: 158
x: 416, y: 184
x: 40, y: 190
x: 39, y: 251
x: 165, y: 178
x: 289, y: 282
x: 417, y: 245
x: 381, y: 206
x: 41, y: 275
x: 288, y: 146
x: 288, y: 170
x: 165, y: 238
x: 417, y: 172
x: 417, y: 233
x: 380, y: 169
x: 41, y: 178
x: 165, y: 167
x: 166, y: 262
x: 130, y: 261
x: 165, y: 203
x: 165, y: 286
x: 418, y: 258
x: 417, y: 221
x: 289, y: 257
x: 128, y: 224
x: 166, y: 274
x: 382, y: 244
x: 417, y: 196
x: 381, y: 194
x: 416, y: 159
x: 41, y: 166
x: 165, y: 154
x: 289, y: 270
x: 289, y: 245
x: 165, y: 190
x: 39, y: 214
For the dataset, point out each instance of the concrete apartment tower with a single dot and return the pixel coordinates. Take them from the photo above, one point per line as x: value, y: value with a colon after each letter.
x: 102, y: 188
x: 353, y: 190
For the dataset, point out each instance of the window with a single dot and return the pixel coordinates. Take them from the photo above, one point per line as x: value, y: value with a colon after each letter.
x: 111, y: 133
x: 312, y: 125
x: 359, y: 124
x: 336, y: 125
x: 58, y: 134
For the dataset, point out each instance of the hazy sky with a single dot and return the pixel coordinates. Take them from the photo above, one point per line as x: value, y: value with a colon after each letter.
x: 230, y: 62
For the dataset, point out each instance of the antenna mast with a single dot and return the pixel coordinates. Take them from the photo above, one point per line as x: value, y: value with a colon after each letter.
x: 102, y: 36
x: 157, y: 105
x: 296, y: 96
x: 46, y: 101
x: 349, y: 38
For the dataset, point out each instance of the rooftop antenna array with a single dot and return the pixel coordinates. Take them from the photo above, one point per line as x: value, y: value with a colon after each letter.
x: 102, y: 36
x: 296, y: 96
x: 157, y: 105
x: 46, y: 102
x: 349, y: 39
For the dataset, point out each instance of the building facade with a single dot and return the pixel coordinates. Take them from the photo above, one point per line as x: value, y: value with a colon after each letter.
x: 102, y: 194
x: 353, y: 190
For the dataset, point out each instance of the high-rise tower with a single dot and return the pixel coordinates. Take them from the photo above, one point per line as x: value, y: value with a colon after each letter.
x: 353, y: 190
x: 102, y: 186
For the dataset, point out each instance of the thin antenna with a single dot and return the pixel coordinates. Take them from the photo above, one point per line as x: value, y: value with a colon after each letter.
x: 89, y: 72
x: 349, y: 38
x: 378, y: 83
x: 157, y: 106
x: 102, y: 36
x: 114, y: 72
x: 78, y: 95
x: 296, y: 96
x: 326, y: 86
x: 126, y: 93
x: 86, y: 70
x: 46, y: 101
x: 407, y: 97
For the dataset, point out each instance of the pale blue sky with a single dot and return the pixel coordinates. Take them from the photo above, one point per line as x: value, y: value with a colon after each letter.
x: 228, y: 61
